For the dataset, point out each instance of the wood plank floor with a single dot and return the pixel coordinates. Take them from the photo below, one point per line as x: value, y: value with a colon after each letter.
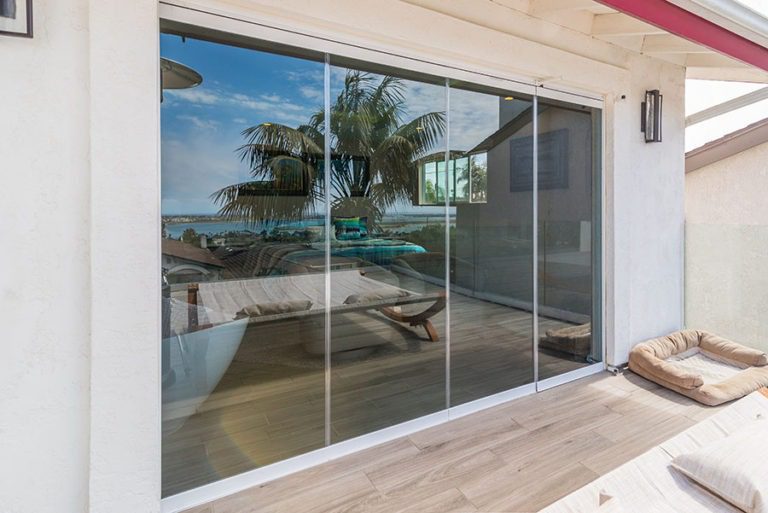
x: 517, y: 457
x: 270, y: 403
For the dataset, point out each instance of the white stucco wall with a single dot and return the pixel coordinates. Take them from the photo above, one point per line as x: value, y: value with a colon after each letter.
x: 45, y: 275
x: 645, y: 194
x: 79, y: 289
x: 726, y: 277
x: 78, y: 281
x: 125, y: 253
x: 731, y: 191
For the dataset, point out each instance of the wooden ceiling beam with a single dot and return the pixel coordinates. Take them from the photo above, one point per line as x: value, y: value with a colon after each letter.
x: 618, y: 24
x: 547, y: 6
x: 661, y: 44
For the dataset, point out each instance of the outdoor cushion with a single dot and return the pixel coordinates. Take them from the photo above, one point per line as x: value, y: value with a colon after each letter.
x: 262, y: 309
x: 700, y: 365
x: 734, y: 468
x: 649, y: 484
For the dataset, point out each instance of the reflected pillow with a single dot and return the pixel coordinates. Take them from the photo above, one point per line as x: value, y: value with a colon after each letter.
x: 350, y: 228
x: 280, y: 307
x: 376, y: 295
x: 734, y: 468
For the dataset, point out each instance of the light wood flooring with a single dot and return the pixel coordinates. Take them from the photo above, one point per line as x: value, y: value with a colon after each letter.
x: 270, y: 403
x: 517, y: 457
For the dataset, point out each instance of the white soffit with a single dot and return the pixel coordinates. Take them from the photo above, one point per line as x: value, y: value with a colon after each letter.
x: 603, y: 23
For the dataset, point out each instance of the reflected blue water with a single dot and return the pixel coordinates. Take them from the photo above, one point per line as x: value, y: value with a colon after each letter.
x: 398, y: 224
x: 214, y: 227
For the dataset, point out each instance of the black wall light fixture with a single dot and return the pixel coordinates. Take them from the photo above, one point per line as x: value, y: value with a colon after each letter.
x: 650, y: 118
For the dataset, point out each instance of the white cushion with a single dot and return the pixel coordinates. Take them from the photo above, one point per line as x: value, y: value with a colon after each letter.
x: 734, y: 468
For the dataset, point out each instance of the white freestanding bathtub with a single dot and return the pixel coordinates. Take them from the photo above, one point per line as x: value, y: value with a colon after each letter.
x: 198, y: 360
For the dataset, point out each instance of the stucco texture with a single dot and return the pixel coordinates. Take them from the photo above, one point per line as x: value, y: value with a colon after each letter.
x: 726, y: 280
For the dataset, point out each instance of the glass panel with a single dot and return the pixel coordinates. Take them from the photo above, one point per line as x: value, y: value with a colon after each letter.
x: 243, y: 371
x: 388, y: 274
x: 568, y: 233
x: 245, y: 261
x: 491, y: 245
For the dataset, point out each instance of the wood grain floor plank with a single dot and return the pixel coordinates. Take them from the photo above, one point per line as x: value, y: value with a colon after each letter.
x: 516, y: 457
x: 530, y: 466
x: 312, y: 497
x: 534, y: 495
x: 425, y: 468
x: 606, y: 460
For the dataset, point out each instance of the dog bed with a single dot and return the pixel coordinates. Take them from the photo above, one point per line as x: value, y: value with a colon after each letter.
x: 702, y: 366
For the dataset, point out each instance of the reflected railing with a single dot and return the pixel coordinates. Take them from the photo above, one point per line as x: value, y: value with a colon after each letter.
x: 726, y: 281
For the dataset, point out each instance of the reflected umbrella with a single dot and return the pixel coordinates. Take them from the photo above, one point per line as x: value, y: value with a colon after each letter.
x: 174, y: 75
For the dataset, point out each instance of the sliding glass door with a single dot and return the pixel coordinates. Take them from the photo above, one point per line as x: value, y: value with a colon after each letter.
x: 243, y: 258
x: 568, y: 252
x: 387, y: 343
x: 491, y: 264
x: 349, y: 246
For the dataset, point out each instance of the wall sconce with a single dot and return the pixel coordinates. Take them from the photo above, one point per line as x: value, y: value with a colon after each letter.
x: 650, y: 119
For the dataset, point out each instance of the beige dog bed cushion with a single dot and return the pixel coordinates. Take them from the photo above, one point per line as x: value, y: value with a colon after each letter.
x: 700, y: 365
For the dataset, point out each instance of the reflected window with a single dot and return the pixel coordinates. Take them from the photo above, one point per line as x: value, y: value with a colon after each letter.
x: 466, y: 180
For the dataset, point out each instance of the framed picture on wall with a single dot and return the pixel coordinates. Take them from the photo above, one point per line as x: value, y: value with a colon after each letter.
x: 16, y: 18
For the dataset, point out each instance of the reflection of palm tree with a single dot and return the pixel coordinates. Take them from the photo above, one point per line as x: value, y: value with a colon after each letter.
x: 475, y: 173
x: 478, y: 174
x: 373, y: 157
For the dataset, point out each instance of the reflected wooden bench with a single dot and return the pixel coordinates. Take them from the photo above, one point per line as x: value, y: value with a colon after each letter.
x: 227, y: 298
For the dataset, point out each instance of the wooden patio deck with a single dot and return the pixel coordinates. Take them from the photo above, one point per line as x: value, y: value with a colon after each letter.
x: 517, y: 457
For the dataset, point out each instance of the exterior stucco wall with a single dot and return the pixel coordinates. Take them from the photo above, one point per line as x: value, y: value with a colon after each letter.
x: 731, y: 191
x: 645, y: 213
x: 726, y: 243
x: 79, y: 373
x: 125, y: 253
x: 79, y: 203
x: 45, y: 276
